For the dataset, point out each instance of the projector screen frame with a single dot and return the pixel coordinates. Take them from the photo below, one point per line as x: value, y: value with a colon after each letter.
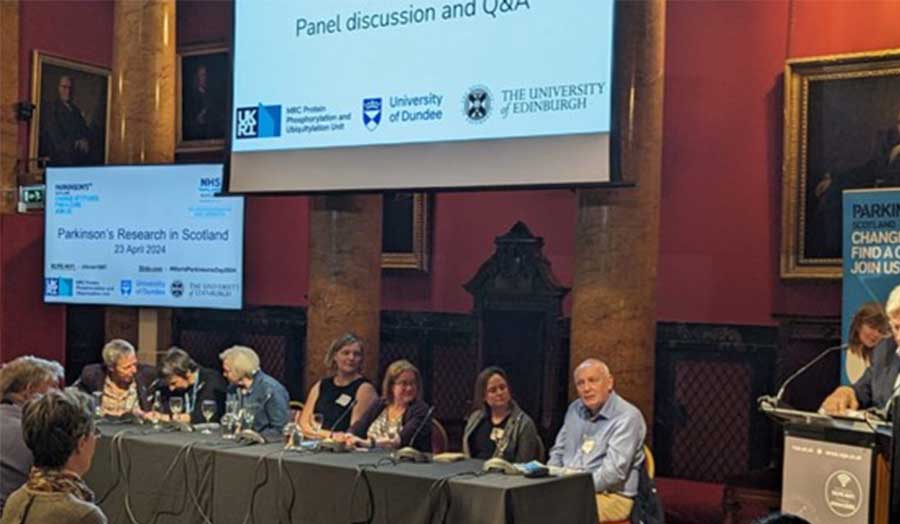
x: 152, y: 305
x: 623, y: 95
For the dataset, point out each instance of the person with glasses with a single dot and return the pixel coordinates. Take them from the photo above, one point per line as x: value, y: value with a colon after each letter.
x: 188, y: 380
x: 398, y: 417
x: 60, y: 433
x: 262, y: 398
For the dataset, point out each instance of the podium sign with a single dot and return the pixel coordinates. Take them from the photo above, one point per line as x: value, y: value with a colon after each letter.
x: 827, y: 482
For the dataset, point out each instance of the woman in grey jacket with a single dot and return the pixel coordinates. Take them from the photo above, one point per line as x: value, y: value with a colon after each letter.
x: 499, y: 428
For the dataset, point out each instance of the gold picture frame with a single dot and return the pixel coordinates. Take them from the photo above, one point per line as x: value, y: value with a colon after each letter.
x: 841, y: 113
x: 406, y: 236
x: 201, y: 105
x: 70, y: 122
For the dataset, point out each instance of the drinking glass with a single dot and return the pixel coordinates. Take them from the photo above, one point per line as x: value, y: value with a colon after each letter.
x: 98, y: 404
x: 317, y: 420
x: 157, y: 410
x: 228, y: 422
x: 293, y: 436
x: 176, y: 406
x: 208, y: 409
x: 247, y: 417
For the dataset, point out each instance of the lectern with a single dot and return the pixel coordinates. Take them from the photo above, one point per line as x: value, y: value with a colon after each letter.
x: 836, y: 470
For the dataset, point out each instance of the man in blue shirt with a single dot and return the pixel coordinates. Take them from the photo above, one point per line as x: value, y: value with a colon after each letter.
x: 602, y: 434
x: 259, y: 392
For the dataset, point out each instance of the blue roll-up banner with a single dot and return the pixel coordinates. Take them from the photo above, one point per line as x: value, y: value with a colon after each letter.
x: 871, y: 259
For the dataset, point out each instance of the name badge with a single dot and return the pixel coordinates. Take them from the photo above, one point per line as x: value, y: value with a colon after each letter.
x: 343, y: 400
x: 497, y: 434
x: 587, y: 445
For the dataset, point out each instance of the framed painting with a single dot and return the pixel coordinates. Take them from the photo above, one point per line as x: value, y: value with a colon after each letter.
x: 405, y: 235
x: 202, y: 98
x: 841, y: 131
x: 71, y: 115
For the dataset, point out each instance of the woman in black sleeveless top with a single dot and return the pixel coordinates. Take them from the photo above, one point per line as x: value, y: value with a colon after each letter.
x: 333, y: 397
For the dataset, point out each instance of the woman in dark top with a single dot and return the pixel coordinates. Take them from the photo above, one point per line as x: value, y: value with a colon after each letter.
x: 499, y: 428
x: 400, y: 418
x: 186, y: 379
x: 332, y: 397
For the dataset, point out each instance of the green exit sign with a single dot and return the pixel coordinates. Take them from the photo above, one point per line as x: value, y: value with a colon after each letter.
x: 31, y: 198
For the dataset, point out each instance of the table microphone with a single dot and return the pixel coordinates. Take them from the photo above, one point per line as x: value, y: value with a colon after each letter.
x: 328, y: 443
x: 777, y: 400
x: 409, y: 453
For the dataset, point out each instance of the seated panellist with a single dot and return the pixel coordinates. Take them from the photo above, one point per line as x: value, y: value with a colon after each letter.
x: 60, y: 433
x: 498, y: 427
x: 257, y: 392
x: 880, y: 383
x: 336, y: 402
x: 602, y: 434
x: 21, y: 380
x: 194, y: 384
x: 400, y: 418
x: 125, y: 385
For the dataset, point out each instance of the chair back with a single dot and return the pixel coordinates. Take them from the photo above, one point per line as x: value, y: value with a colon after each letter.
x: 439, y: 440
x: 296, y: 408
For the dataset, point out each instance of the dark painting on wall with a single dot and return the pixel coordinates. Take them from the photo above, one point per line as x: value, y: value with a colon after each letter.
x: 203, y: 77
x: 405, y: 232
x: 71, y: 111
x: 842, y: 131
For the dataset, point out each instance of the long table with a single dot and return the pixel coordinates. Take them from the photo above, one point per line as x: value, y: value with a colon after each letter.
x: 142, y: 476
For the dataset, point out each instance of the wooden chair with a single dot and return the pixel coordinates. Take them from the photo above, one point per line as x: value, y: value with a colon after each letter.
x: 650, y: 465
x: 296, y: 408
x: 439, y: 440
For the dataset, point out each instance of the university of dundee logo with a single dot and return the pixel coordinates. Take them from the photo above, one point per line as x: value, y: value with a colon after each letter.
x: 371, y: 113
x: 258, y: 122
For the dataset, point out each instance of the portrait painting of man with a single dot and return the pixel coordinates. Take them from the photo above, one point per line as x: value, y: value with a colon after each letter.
x: 842, y: 131
x: 203, y: 111
x: 69, y: 125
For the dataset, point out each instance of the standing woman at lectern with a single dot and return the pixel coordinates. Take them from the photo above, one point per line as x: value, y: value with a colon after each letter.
x: 332, y: 397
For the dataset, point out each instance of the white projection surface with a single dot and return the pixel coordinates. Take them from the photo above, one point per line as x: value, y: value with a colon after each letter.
x: 379, y: 94
x: 153, y: 235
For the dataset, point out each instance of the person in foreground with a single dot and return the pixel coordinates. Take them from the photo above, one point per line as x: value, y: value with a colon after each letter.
x: 331, y: 397
x: 881, y: 380
x: 602, y: 434
x: 185, y: 378
x: 395, y: 419
x: 21, y: 379
x: 498, y: 427
x: 126, y: 386
x: 61, y: 435
x: 258, y: 392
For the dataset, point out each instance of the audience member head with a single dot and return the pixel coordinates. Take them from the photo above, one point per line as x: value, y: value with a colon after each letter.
x: 120, y: 360
x: 594, y: 383
x: 892, y: 307
x: 868, y: 327
x: 59, y: 431
x: 492, y: 390
x: 177, y: 368
x: 345, y: 356
x: 239, y: 364
x: 24, y: 377
x: 401, y: 385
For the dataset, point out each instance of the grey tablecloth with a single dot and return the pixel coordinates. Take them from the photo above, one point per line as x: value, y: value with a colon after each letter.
x: 189, y: 477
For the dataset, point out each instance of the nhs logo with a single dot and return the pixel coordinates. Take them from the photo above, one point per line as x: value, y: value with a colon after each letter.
x: 371, y: 113
x: 258, y: 122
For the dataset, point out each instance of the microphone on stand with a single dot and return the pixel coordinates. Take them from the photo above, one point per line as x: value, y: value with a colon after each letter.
x: 328, y: 443
x: 777, y: 399
x: 409, y: 453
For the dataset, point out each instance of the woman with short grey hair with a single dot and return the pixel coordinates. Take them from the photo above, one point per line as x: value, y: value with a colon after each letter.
x: 59, y: 431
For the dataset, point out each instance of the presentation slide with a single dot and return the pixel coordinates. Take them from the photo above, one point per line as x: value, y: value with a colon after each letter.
x: 364, y: 72
x: 151, y: 235
x: 421, y: 94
